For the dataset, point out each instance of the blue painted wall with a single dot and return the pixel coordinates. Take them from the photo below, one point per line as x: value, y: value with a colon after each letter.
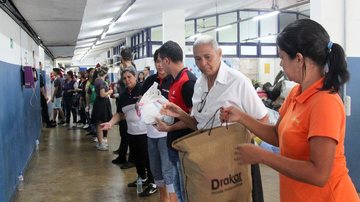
x: 20, y: 126
x: 352, y: 140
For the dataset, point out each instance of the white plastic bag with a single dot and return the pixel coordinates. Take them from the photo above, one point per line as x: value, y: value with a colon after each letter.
x: 150, y: 105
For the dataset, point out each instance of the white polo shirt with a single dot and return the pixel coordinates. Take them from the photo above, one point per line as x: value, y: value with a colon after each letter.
x: 231, y: 87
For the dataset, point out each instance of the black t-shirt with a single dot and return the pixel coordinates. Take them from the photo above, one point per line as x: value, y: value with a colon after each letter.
x: 128, y: 98
x: 100, y: 84
x: 58, y: 83
x: 42, y: 81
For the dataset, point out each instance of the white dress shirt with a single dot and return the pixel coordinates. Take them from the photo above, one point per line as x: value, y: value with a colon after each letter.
x: 231, y: 87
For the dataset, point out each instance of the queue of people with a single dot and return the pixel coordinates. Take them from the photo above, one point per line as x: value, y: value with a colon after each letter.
x: 310, y: 131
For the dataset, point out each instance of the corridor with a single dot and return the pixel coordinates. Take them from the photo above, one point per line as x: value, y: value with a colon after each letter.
x: 67, y: 167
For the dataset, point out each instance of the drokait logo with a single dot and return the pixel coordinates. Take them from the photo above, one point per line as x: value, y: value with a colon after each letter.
x: 227, y: 183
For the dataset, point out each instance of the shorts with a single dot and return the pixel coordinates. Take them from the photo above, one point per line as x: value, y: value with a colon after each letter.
x: 57, y: 103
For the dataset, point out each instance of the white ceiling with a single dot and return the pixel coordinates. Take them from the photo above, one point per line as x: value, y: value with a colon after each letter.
x: 64, y: 24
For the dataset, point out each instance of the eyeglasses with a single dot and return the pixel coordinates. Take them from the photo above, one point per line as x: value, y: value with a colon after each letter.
x: 201, y: 105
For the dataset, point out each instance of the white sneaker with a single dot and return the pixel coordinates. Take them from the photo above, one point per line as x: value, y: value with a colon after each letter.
x: 80, y: 125
x: 65, y: 124
x: 95, y: 139
x: 103, y: 147
x: 105, y: 140
x: 86, y: 126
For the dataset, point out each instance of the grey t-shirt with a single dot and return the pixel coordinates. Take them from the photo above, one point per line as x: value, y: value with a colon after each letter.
x: 59, y: 84
x: 100, y: 84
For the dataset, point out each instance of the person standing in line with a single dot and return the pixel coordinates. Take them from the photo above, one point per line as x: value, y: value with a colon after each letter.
x: 68, y: 98
x: 160, y: 164
x: 180, y: 93
x: 57, y: 97
x: 146, y: 72
x: 102, y: 107
x: 136, y: 130
x: 220, y: 85
x: 311, y: 129
x: 44, y: 98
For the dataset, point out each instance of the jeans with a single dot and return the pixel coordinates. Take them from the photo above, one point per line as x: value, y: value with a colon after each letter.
x: 178, y: 177
x: 68, y: 105
x: 160, y: 165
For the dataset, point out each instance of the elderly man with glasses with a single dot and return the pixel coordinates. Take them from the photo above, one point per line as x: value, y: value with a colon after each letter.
x: 219, y: 85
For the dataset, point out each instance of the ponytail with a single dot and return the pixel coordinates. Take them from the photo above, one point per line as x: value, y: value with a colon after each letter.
x: 337, y: 74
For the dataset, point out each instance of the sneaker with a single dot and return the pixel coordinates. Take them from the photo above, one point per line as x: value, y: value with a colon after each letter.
x: 103, y: 147
x: 86, y: 126
x: 133, y: 184
x: 95, y: 139
x: 62, y: 122
x: 65, y: 124
x: 127, y: 165
x: 105, y: 140
x: 149, y: 190
x: 80, y: 125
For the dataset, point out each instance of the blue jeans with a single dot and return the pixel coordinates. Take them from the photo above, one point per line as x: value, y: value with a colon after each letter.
x: 178, y: 177
x: 160, y: 165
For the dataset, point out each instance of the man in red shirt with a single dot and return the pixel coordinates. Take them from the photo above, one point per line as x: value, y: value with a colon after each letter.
x: 180, y: 93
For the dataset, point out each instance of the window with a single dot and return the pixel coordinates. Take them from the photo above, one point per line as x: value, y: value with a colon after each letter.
x: 189, y: 30
x: 268, y: 26
x: 205, y: 24
x: 248, y: 50
x: 285, y: 19
x: 228, y: 34
x: 156, y: 34
x: 268, y: 50
x: 248, y: 28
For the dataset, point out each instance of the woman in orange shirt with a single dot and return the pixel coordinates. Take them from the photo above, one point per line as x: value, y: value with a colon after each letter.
x: 311, y: 129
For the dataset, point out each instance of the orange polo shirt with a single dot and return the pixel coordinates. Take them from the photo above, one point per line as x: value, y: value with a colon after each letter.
x: 305, y: 115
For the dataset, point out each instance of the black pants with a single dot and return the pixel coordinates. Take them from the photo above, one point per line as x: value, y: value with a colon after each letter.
x: 68, y: 105
x: 44, y: 110
x: 124, y: 143
x: 82, y: 114
x: 139, y: 148
x: 257, y: 191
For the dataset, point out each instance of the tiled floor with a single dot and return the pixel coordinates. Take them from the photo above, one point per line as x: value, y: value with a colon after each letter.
x: 67, y: 167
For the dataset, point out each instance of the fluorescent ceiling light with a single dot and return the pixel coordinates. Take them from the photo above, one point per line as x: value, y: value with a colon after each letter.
x: 223, y: 28
x: 267, y: 15
x: 265, y: 37
x: 195, y: 36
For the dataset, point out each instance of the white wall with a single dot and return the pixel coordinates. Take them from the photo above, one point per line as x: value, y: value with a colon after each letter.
x: 143, y: 62
x: 21, y: 50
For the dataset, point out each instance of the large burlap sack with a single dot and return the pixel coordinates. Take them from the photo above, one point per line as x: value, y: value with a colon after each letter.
x: 209, y: 169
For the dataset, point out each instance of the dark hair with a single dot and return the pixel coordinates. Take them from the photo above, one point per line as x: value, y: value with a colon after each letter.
x: 130, y: 70
x: 171, y: 50
x: 126, y: 53
x: 156, y: 54
x: 89, y: 70
x: 57, y: 71
x: 138, y: 78
x: 103, y: 70
x: 147, y: 67
x: 70, y: 73
x: 309, y: 38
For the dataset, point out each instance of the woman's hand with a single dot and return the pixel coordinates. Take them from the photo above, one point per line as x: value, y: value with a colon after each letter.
x: 230, y: 114
x: 161, y: 126
x: 106, y: 126
x: 110, y: 92
x: 248, y: 154
x: 171, y: 109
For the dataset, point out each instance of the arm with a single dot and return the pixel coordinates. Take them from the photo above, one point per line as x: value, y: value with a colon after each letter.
x: 264, y: 131
x: 315, y: 171
x: 171, y: 109
x: 114, y: 120
x: 42, y: 90
x: 55, y: 92
x: 105, y: 94
x: 163, y: 127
